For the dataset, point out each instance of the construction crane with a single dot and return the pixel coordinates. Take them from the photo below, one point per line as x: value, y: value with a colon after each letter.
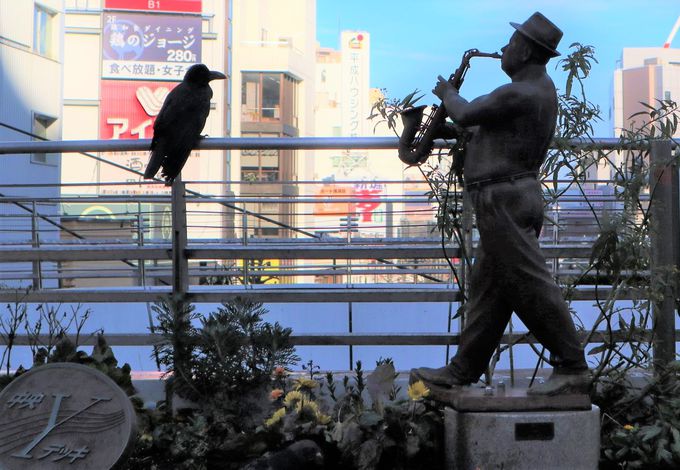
x: 667, y: 44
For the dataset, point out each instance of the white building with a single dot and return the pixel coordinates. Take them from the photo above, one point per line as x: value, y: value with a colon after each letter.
x: 31, y: 59
x: 343, y: 103
x: 114, y: 87
x: 644, y: 75
x: 274, y: 45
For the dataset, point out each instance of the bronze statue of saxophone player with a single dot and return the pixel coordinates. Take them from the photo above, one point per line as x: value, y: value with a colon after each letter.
x: 510, y: 130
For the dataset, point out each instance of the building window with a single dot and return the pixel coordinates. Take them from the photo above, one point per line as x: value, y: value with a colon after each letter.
x: 259, y: 165
x: 271, y: 96
x: 261, y: 97
x: 41, y: 124
x: 44, y: 31
x: 266, y: 232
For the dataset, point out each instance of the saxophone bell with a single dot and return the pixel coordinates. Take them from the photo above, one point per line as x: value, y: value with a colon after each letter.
x: 411, y: 118
x: 417, y: 138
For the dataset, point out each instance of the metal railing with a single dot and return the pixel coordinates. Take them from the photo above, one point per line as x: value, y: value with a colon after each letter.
x: 153, y: 252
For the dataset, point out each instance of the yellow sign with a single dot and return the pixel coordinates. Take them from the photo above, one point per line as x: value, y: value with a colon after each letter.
x: 258, y: 268
x: 326, y: 205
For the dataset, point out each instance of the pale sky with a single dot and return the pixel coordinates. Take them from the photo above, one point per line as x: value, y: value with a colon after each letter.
x: 414, y: 41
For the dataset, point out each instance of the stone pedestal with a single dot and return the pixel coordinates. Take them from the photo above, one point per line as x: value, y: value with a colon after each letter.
x: 497, y: 432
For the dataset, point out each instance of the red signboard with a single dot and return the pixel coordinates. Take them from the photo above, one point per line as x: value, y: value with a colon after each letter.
x: 129, y: 108
x: 167, y: 6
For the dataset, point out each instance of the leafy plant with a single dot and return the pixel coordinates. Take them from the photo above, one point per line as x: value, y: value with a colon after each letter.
x: 641, y: 421
x: 64, y: 350
x: 43, y: 333
x: 391, y: 433
x: 225, y: 364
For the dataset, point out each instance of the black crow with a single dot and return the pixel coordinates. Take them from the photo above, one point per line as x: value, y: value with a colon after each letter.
x: 180, y: 121
x: 300, y: 455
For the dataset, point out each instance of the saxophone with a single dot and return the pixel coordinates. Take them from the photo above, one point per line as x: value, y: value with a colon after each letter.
x: 417, y: 138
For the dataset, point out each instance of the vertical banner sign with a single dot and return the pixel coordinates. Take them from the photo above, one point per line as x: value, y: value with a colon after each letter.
x: 355, y: 82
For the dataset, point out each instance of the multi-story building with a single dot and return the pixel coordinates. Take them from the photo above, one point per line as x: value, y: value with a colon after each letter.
x: 122, y: 57
x: 368, y: 186
x: 31, y: 62
x: 644, y: 75
x: 273, y: 87
x: 343, y: 105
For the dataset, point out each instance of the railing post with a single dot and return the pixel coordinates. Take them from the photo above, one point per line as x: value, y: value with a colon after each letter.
x: 389, y: 220
x: 245, y: 242
x: 141, y: 269
x: 664, y: 246
x: 35, y: 239
x: 466, y: 255
x: 180, y: 265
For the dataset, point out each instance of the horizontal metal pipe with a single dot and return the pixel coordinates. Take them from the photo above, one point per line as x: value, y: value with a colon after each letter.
x: 231, y: 182
x: 323, y: 339
x: 301, y: 293
x: 199, y: 251
x: 206, y: 199
x: 251, y: 143
x: 233, y: 143
x: 277, y: 199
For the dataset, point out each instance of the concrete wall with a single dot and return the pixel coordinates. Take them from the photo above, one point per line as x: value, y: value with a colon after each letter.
x: 30, y: 84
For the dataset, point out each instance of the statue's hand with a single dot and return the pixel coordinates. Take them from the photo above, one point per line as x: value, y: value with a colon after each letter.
x: 443, y: 87
x: 447, y: 131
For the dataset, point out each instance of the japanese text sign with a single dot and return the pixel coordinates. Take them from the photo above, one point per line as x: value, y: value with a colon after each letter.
x: 149, y: 46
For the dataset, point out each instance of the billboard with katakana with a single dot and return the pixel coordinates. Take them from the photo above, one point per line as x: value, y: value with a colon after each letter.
x: 141, y: 46
x: 128, y: 108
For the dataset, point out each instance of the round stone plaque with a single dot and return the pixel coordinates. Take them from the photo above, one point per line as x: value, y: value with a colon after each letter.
x: 64, y: 416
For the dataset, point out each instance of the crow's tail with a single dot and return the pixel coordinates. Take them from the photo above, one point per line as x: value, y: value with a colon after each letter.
x: 155, y: 162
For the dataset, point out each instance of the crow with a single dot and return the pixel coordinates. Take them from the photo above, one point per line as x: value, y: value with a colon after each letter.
x: 180, y: 121
x: 300, y: 455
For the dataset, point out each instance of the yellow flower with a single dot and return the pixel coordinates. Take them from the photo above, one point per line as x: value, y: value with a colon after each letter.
x: 275, y: 394
x: 308, y: 405
x: 309, y: 409
x: 303, y: 383
x: 322, y: 418
x: 276, y: 417
x: 292, y: 398
x: 629, y: 427
x: 417, y: 391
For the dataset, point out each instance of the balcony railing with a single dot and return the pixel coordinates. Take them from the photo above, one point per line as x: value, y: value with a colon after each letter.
x: 205, y: 248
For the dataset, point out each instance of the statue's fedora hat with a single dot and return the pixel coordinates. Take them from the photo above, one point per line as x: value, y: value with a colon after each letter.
x: 541, y: 31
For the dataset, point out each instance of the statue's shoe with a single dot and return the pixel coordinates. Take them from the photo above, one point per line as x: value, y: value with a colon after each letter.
x: 442, y: 377
x: 563, y: 383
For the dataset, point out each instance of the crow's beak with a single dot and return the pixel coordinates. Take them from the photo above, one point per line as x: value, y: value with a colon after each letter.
x: 217, y: 75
